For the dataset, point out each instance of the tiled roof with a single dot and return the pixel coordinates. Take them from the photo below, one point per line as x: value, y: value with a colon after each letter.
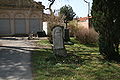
x: 82, y: 19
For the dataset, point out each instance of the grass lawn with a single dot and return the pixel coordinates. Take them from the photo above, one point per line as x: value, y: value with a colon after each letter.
x: 85, y: 63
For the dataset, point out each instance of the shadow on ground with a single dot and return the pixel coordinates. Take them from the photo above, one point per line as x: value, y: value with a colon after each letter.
x: 14, y: 63
x: 19, y: 48
x: 47, y: 65
x: 7, y: 38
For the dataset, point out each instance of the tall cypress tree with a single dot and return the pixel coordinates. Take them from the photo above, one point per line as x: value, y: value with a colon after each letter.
x: 106, y: 20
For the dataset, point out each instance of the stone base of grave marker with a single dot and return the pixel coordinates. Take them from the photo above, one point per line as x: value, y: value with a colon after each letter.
x: 60, y: 52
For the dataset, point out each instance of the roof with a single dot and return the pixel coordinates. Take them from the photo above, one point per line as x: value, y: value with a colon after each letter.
x: 20, y: 4
x: 82, y: 19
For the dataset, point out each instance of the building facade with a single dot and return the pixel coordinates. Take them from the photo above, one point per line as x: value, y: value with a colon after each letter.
x: 20, y: 16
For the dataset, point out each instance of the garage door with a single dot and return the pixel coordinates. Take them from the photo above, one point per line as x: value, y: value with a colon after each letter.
x: 20, y: 26
x: 5, y: 26
x: 34, y: 25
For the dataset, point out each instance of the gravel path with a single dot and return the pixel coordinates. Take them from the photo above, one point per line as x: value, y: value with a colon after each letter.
x: 15, y: 59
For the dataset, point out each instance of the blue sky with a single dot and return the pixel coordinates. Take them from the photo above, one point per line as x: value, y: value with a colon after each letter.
x: 79, y: 6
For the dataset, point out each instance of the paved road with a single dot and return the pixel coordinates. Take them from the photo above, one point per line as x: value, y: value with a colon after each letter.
x: 15, y: 59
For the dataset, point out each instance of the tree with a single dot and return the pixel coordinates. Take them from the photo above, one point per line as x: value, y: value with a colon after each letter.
x: 51, y: 3
x: 68, y: 13
x: 106, y: 20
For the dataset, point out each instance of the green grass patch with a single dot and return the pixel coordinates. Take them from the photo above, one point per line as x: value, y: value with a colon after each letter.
x: 85, y: 63
x: 43, y: 42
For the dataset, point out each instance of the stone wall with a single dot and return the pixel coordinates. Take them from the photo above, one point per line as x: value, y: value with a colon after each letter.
x: 26, y: 15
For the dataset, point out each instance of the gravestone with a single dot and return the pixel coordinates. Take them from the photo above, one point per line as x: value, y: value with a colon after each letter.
x: 66, y: 35
x: 58, y: 42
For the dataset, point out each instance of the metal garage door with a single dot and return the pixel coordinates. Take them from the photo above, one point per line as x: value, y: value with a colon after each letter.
x: 5, y: 26
x: 34, y: 25
x: 20, y: 26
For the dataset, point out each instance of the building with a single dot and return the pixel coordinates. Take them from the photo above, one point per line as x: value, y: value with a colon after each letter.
x: 83, y: 21
x: 20, y: 16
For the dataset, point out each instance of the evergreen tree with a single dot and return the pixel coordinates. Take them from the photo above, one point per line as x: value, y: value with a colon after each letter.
x: 68, y: 13
x: 106, y: 20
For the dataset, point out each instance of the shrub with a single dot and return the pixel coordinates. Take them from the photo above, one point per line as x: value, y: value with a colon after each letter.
x: 83, y: 34
x: 86, y: 35
x: 53, y: 21
x: 72, y: 27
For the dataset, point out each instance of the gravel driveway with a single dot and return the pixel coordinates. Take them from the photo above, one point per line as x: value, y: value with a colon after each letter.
x: 15, y: 59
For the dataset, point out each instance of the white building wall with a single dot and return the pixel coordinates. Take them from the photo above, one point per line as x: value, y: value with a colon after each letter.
x: 45, y: 27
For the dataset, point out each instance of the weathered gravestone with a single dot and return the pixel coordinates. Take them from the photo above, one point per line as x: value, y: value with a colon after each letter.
x: 58, y: 42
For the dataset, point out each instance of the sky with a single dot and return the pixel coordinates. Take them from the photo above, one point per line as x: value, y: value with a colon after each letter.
x: 79, y: 6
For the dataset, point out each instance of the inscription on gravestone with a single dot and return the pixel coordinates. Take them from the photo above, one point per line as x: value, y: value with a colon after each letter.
x: 58, y: 42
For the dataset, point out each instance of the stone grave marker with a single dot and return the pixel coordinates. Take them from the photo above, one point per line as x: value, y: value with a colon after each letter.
x: 58, y: 42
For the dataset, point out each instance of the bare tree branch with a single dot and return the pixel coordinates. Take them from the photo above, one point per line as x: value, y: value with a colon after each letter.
x: 51, y: 3
x: 86, y: 1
